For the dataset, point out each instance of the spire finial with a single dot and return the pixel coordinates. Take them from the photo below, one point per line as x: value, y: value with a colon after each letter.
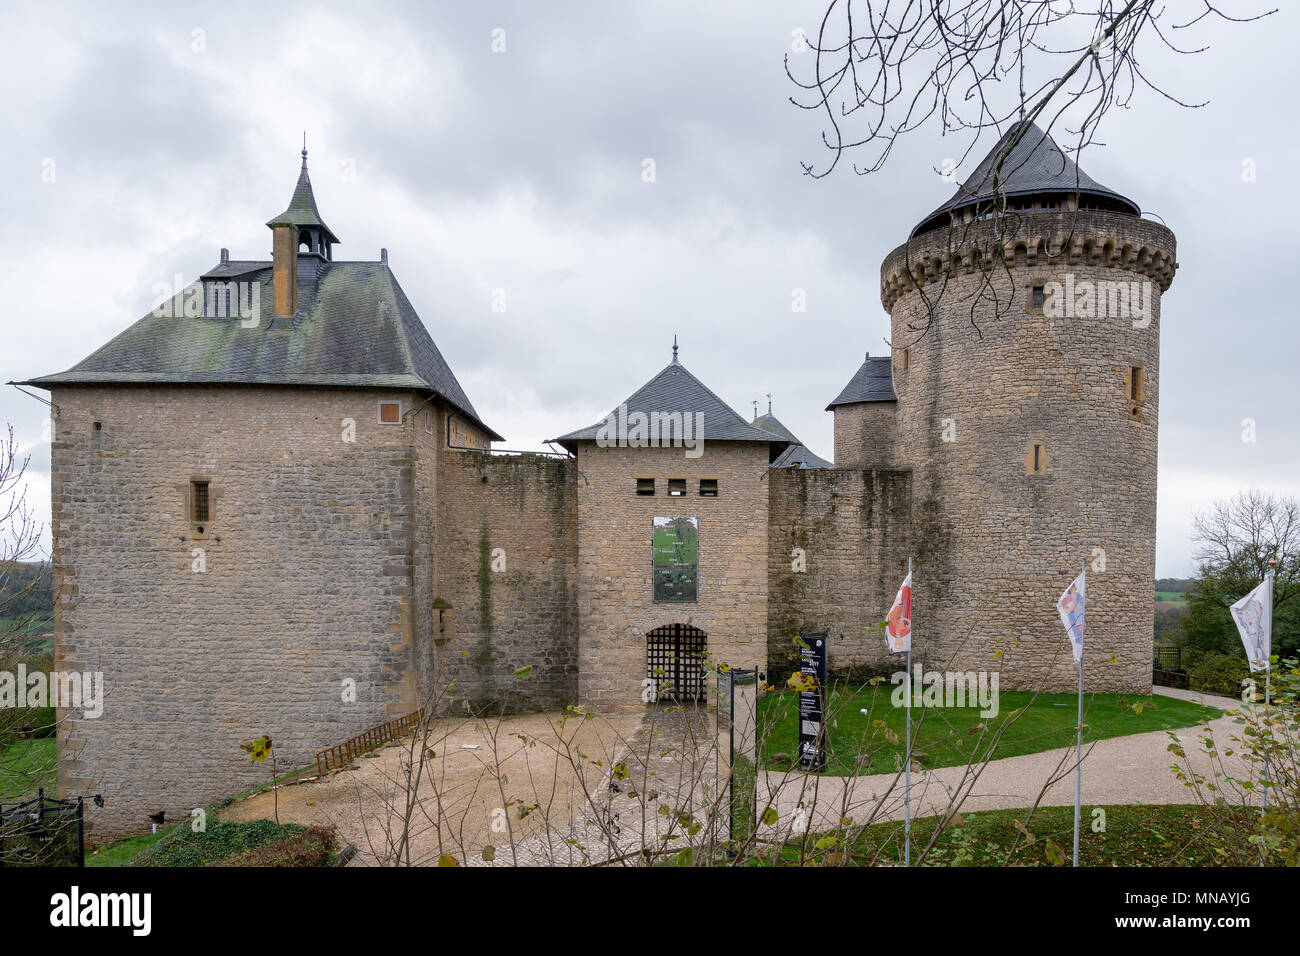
x: 674, y: 349
x: 304, y: 149
x: 755, y: 409
x: 769, y: 403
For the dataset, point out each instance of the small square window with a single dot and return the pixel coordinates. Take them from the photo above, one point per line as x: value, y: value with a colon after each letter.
x: 390, y: 413
x: 645, y: 487
x: 676, y: 487
x: 708, y: 487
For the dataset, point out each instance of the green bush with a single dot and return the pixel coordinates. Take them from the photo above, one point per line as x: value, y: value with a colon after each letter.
x: 222, y: 841
x: 311, y: 847
x: 1215, y: 673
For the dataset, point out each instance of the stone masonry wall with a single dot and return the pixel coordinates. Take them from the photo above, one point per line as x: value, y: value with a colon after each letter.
x: 850, y: 531
x: 507, y: 565
x: 997, y: 544
x: 616, y: 605
x: 865, y: 435
x: 307, y: 584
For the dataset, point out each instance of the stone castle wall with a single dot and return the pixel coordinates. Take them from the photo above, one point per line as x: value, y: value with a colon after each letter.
x: 850, y: 531
x: 307, y: 584
x: 507, y: 564
x: 865, y: 435
x: 997, y: 544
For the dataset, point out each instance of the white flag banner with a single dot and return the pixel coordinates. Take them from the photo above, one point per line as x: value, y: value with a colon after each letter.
x: 1071, y: 607
x: 1254, y: 617
x: 898, y: 623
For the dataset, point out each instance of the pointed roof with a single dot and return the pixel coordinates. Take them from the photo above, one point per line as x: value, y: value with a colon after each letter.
x: 1030, y: 164
x: 797, y: 454
x: 302, y: 209
x: 676, y: 390
x: 355, y: 328
x: 872, y: 382
x: 771, y: 423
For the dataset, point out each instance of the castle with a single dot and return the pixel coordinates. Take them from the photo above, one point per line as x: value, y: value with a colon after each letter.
x: 276, y: 511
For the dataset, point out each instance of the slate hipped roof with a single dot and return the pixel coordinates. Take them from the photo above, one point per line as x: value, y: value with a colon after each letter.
x: 675, y: 390
x: 302, y: 209
x: 1035, y: 165
x: 797, y: 454
x: 354, y: 328
x: 873, y: 382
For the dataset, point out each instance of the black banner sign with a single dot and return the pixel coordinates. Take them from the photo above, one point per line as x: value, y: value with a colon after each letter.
x: 812, y: 703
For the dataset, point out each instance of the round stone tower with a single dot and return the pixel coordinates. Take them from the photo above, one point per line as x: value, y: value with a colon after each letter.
x: 1026, y: 348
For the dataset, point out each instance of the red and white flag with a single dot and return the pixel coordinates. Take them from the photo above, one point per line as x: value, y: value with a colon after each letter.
x: 1071, y: 607
x: 898, y: 623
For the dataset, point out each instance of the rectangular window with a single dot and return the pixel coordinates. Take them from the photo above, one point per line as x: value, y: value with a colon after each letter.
x: 200, y: 502
x: 708, y: 487
x: 675, y: 559
x: 390, y: 413
x: 1038, y: 460
x: 428, y: 422
x: 906, y: 360
x: 645, y: 487
x: 1038, y: 297
x: 676, y: 487
x: 1136, y: 384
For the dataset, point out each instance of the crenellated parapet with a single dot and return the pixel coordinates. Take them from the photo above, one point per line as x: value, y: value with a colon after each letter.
x: 1067, y: 239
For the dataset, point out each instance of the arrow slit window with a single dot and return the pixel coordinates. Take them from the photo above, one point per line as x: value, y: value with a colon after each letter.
x: 675, y: 561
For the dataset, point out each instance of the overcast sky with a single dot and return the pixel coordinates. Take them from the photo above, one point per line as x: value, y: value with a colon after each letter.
x: 138, y: 141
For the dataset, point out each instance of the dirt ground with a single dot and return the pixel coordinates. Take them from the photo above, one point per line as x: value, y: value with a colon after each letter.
x: 462, y: 806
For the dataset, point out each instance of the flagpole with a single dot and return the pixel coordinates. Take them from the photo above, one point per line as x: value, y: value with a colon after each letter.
x: 907, y: 789
x: 1078, y: 734
x: 1268, y: 680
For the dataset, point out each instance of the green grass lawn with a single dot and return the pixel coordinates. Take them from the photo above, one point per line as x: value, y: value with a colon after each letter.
x: 950, y: 736
x: 1171, y: 597
x: 25, y: 766
x: 1159, y: 835
x: 123, y: 851
x: 26, y: 629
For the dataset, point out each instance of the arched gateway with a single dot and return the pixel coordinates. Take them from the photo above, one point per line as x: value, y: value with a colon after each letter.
x: 675, y: 662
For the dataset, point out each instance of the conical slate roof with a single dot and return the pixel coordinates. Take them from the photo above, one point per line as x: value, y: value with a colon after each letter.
x: 872, y: 382
x: 675, y: 390
x: 302, y: 209
x: 1034, y: 166
x: 771, y: 423
x: 354, y: 328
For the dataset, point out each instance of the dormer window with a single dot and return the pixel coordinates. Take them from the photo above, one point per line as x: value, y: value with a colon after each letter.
x: 221, y: 299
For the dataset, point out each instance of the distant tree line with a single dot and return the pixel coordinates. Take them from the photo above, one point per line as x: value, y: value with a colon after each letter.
x: 26, y: 588
x: 1175, y: 585
x: 1236, y: 540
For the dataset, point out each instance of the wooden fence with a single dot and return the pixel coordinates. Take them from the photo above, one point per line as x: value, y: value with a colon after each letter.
x: 340, y: 755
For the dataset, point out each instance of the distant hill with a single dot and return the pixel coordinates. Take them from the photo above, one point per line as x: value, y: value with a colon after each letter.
x: 1175, y: 585
x: 27, y: 603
